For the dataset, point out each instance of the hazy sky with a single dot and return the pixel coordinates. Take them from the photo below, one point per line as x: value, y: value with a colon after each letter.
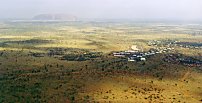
x: 110, y: 9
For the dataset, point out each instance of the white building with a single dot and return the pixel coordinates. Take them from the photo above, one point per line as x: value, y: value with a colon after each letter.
x: 143, y: 59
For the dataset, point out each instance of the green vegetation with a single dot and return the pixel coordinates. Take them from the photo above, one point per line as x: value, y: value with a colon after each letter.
x: 72, y: 62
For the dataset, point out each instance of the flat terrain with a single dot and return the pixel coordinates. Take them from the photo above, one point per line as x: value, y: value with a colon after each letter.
x: 72, y: 62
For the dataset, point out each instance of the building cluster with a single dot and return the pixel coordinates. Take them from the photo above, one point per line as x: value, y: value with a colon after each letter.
x: 137, y: 55
x: 190, y: 45
x: 37, y: 54
x: 131, y: 55
x: 163, y: 43
x: 174, y: 43
x: 184, y: 60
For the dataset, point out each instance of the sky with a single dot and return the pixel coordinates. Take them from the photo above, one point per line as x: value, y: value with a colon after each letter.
x: 106, y: 9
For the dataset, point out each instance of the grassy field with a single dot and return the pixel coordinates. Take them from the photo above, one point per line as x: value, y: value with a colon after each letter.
x: 71, y: 62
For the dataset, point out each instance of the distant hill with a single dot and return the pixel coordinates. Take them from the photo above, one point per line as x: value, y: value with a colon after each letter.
x: 64, y: 17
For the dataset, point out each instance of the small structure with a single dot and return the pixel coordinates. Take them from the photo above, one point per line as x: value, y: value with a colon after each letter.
x: 143, y: 59
x: 131, y: 59
x: 119, y: 55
